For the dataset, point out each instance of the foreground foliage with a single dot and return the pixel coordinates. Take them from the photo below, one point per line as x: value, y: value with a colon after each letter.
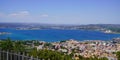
x: 48, y: 54
x: 118, y: 55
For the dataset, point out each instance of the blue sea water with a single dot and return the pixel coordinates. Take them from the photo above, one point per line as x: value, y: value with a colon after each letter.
x: 51, y: 35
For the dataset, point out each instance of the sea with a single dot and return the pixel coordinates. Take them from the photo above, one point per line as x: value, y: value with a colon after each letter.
x: 54, y: 35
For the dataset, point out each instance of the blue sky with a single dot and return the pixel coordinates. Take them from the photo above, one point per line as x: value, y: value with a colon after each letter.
x: 61, y: 11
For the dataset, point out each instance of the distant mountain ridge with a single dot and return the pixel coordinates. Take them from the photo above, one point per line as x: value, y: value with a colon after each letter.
x: 104, y: 27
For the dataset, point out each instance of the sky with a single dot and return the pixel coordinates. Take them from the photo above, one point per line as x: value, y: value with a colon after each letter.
x: 60, y: 11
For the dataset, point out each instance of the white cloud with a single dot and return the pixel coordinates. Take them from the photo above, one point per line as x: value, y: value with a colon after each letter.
x: 44, y: 15
x: 19, y: 14
x: 22, y: 16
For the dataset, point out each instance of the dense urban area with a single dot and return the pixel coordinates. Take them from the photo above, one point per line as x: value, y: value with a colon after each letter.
x: 66, y: 50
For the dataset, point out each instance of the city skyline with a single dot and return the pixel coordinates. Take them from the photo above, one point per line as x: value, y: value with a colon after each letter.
x: 60, y: 11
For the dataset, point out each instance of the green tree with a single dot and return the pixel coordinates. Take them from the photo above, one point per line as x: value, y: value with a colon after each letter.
x: 47, y: 45
x: 18, y: 46
x: 33, y: 52
x: 81, y: 57
x: 118, y: 55
x: 103, y: 58
x: 48, y: 54
x: 36, y: 43
x: 7, y: 44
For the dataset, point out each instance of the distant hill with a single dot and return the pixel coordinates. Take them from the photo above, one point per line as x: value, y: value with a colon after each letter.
x: 112, y: 27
